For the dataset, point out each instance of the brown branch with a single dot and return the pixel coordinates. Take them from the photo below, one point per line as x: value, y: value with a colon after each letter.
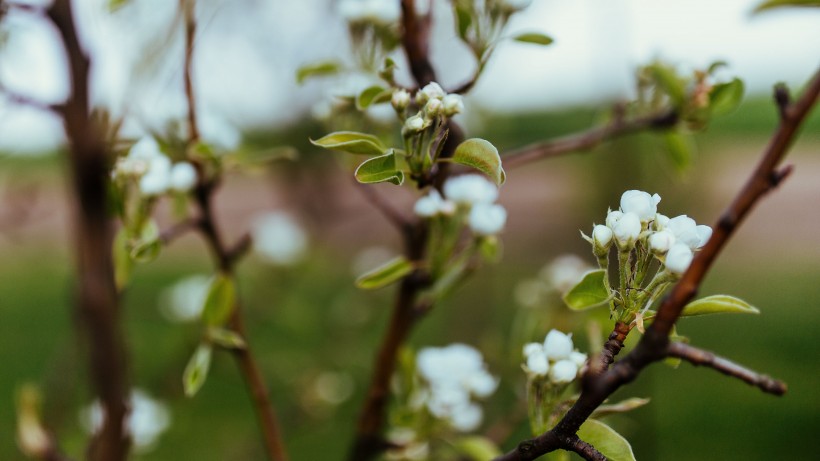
x: 178, y: 230
x: 700, y: 357
x: 585, y: 450
x: 416, y: 41
x: 588, y: 139
x: 97, y: 304
x: 655, y: 343
x: 188, y: 8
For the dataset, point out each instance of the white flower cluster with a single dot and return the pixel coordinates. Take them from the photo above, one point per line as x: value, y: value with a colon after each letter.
x: 555, y: 358
x: 184, y: 300
x: 455, y: 374
x: 473, y: 193
x: 433, y: 102
x: 153, y: 170
x: 278, y: 239
x: 672, y: 240
x: 376, y: 11
x: 145, y: 422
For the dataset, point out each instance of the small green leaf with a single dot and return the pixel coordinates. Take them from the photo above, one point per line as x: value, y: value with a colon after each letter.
x: 718, y: 304
x: 589, y: 292
x: 380, y: 169
x: 219, y: 303
x: 668, y: 80
x: 680, y: 148
x: 483, y: 156
x: 769, y: 4
x: 318, y: 69
x: 715, y: 66
x: 610, y: 443
x: 477, y: 448
x: 389, y: 272
x: 725, y: 97
x: 123, y: 264
x: 372, y: 95
x: 351, y: 142
x: 148, y: 246
x: 197, y: 370
x: 387, y: 70
x: 535, y: 38
x: 620, y: 407
x: 226, y: 338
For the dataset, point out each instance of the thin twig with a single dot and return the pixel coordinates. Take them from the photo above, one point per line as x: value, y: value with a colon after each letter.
x: 178, y: 230
x: 188, y: 8
x: 588, y: 139
x: 654, y: 345
x: 700, y: 357
x: 97, y: 305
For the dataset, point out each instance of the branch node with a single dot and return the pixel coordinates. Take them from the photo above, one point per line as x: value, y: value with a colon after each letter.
x: 783, y: 99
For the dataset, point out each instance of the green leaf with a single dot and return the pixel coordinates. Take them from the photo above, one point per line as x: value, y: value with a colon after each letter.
x: 718, y: 304
x: 680, y: 148
x: 490, y: 248
x: 219, y: 303
x: 318, y: 69
x: 123, y: 264
x: 389, y: 272
x: 387, y: 70
x: 668, y: 80
x: 148, y: 246
x: 463, y: 20
x: 610, y: 443
x: 114, y: 5
x: 535, y: 38
x: 725, y: 97
x: 715, y: 66
x: 620, y: 407
x: 380, y: 169
x: 351, y: 142
x: 481, y: 155
x: 372, y: 95
x: 226, y: 338
x: 477, y: 448
x: 197, y: 370
x: 769, y: 4
x: 589, y: 292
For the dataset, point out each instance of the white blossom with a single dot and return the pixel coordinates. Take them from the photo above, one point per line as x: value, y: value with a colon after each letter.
x: 146, y: 421
x: 183, y: 177
x: 627, y: 229
x: 688, y: 232
x: 157, y: 178
x: 579, y: 358
x: 612, y: 218
x: 377, y: 11
x: 563, y: 371
x: 415, y: 123
x: 661, y: 221
x: 467, y: 418
x: 661, y: 241
x: 470, y: 189
x: 145, y: 148
x: 564, y: 272
x: 601, y: 236
x: 278, y: 239
x: 430, y: 91
x: 400, y: 99
x: 218, y: 133
x: 433, y: 108
x: 557, y: 345
x: 429, y: 205
x: 487, y: 219
x: 640, y: 203
x: 678, y: 258
x: 184, y: 300
x: 453, y: 104
x: 536, y: 359
x: 704, y: 234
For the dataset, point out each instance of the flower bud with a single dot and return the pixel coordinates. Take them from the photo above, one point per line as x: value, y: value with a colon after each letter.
x: 453, y: 104
x: 612, y: 218
x: 563, y: 371
x: 704, y: 234
x: 557, y: 345
x: 400, y: 99
x: 470, y: 189
x: 578, y: 358
x: 685, y: 230
x: 640, y: 203
x: 537, y: 362
x: 661, y: 221
x: 415, y: 124
x: 678, y: 258
x: 183, y: 177
x: 429, y: 205
x: 433, y: 108
x: 627, y: 230
x: 601, y: 238
x: 661, y: 241
x: 431, y: 91
x: 487, y: 219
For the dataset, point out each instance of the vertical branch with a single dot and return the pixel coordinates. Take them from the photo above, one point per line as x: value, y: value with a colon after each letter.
x: 97, y: 304
x: 416, y: 40
x: 225, y: 259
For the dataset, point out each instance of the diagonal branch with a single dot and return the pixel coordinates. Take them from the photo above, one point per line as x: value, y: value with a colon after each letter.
x: 416, y: 40
x: 700, y: 357
x: 654, y: 345
x: 584, y: 449
x: 394, y: 216
x: 588, y: 139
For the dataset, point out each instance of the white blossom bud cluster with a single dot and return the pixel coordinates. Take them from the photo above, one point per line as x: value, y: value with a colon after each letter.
x: 472, y: 193
x: 153, y: 171
x: 555, y: 358
x: 455, y: 374
x: 672, y: 240
x: 146, y: 421
x: 433, y: 102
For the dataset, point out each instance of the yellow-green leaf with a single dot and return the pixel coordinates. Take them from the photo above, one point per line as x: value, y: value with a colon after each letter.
x: 718, y: 304
x: 197, y: 370
x: 351, y: 142
x: 680, y: 147
x: 620, y: 407
x: 225, y: 338
x: 481, y: 155
x: 589, y: 292
x: 148, y: 246
x: 477, y: 448
x: 725, y: 97
x: 123, y: 264
x: 610, y: 443
x: 380, y: 169
x: 769, y: 4
x: 389, y: 272
x: 219, y: 303
x: 318, y: 69
x: 372, y: 95
x: 668, y: 80
x: 534, y: 37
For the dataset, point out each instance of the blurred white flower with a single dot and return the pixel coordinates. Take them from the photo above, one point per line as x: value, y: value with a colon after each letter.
x: 678, y: 258
x: 378, y: 11
x: 184, y: 300
x: 627, y: 230
x: 564, y: 272
x: 563, y: 371
x: 453, y: 104
x: 557, y: 345
x: 429, y: 205
x: 433, y: 108
x: 146, y: 421
x: 467, y: 418
x: 579, y: 358
x: 487, y: 219
x: 218, y: 133
x: 470, y: 189
x: 157, y: 179
x: 661, y: 241
x: 183, y: 177
x: 555, y: 357
x: 430, y: 91
x: 278, y: 239
x: 640, y: 203
x: 415, y: 123
x: 536, y: 359
x: 334, y: 388
x: 400, y: 99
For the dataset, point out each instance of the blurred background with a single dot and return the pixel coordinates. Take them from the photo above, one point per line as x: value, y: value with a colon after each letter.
x: 313, y: 331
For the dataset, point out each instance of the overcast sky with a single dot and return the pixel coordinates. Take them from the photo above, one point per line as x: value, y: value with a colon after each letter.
x: 248, y: 51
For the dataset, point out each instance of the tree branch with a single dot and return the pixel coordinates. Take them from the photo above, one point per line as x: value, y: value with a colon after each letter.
x: 588, y: 139
x: 416, y: 41
x: 700, y: 357
x: 585, y: 450
x: 394, y: 216
x: 97, y: 304
x: 654, y: 345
